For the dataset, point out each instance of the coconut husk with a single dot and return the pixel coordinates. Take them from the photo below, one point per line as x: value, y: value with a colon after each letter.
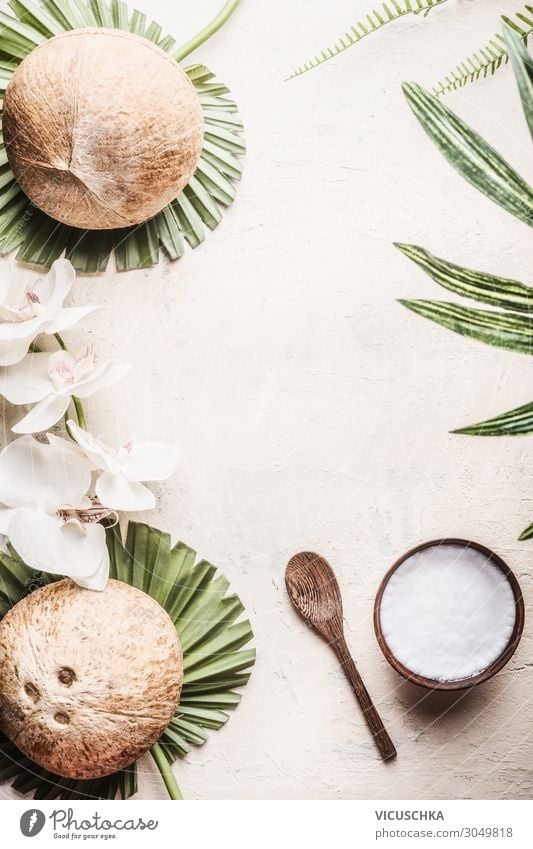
x: 102, y: 128
x: 89, y: 680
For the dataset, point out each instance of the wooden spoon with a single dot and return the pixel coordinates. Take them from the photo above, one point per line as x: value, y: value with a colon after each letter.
x: 315, y: 593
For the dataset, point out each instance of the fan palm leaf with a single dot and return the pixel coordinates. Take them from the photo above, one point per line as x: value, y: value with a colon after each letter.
x: 40, y: 239
x: 212, y: 636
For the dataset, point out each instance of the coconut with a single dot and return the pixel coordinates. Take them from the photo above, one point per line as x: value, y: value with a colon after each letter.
x: 88, y: 680
x: 102, y: 128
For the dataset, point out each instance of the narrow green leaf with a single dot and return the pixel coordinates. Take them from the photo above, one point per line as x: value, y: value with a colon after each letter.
x: 204, y: 717
x: 486, y: 61
x: 170, y: 235
x: 470, y: 154
x: 221, y: 664
x: 157, y: 563
x: 203, y: 202
x: 101, y: 12
x: 513, y: 423
x: 226, y: 700
x: 206, y: 688
x: 44, y: 240
x: 119, y: 13
x: 137, y: 247
x: 137, y: 22
x: 209, y: 622
x: 527, y: 533
x: 33, y: 14
x: 522, y: 63
x: 69, y: 14
x: 476, y: 285
x: 388, y: 13
x: 198, y: 73
x: 153, y: 32
x: 503, y: 330
x: 191, y: 224
x: 89, y: 250
x: 231, y: 639
x: 188, y: 586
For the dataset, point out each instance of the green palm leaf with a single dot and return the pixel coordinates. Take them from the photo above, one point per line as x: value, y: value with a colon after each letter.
x: 470, y: 154
x: 476, y: 285
x: 39, y: 239
x: 513, y: 423
x: 486, y: 61
x: 212, y: 638
x: 523, y: 69
x: 503, y: 330
x: 527, y: 533
x: 388, y: 12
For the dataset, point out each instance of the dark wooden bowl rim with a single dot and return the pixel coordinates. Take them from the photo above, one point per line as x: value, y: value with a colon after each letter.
x: 496, y: 665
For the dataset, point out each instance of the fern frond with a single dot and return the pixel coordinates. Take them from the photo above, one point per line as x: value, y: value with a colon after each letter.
x: 390, y: 11
x: 486, y: 61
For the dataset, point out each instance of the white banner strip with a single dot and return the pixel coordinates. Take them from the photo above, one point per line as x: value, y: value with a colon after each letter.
x: 277, y: 824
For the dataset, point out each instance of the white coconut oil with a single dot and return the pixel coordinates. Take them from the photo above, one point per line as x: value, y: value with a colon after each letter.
x: 447, y: 612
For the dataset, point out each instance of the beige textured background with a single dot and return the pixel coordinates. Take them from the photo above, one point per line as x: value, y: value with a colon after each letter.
x: 314, y: 410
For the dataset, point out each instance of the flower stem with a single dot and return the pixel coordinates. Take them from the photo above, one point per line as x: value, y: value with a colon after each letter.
x: 60, y: 342
x: 78, y: 406
x: 166, y: 771
x: 209, y: 30
x: 80, y: 414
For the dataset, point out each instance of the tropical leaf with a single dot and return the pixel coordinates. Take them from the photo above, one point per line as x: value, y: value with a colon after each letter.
x: 486, y: 61
x: 476, y: 285
x: 513, y: 423
x: 39, y: 239
x: 388, y: 12
x: 212, y: 639
x: 470, y: 154
x: 523, y: 69
x: 503, y: 330
x: 527, y: 533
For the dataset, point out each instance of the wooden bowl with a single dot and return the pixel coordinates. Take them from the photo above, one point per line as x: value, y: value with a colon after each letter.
x: 496, y: 665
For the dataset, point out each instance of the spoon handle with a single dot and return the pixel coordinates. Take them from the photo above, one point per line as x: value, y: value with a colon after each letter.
x: 372, y: 717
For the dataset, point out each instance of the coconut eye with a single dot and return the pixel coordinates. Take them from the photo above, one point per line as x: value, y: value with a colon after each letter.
x: 31, y: 691
x: 62, y: 718
x: 66, y: 676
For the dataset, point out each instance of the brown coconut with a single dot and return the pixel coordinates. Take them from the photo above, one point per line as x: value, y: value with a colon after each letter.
x: 102, y: 128
x: 88, y: 680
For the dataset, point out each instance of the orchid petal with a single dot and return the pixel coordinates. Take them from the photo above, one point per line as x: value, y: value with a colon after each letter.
x: 6, y: 514
x: 69, y: 449
x: 66, y: 318
x: 117, y: 493
x: 55, y: 286
x: 17, y: 330
x: 34, y: 474
x: 5, y: 284
x: 14, y: 350
x: 47, y: 544
x: 105, y: 375
x: 27, y: 381
x: 97, y: 452
x: 151, y: 461
x: 45, y: 414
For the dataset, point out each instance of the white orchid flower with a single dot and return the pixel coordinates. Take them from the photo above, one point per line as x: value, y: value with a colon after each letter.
x: 27, y: 311
x: 122, y: 469
x: 50, y: 380
x: 45, y: 512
